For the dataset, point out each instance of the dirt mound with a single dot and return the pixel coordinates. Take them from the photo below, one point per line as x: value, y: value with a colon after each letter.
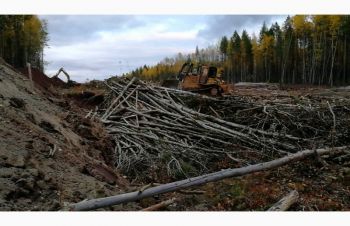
x: 43, y: 80
x: 50, y: 155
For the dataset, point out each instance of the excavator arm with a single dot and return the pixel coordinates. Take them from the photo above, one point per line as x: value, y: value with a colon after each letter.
x: 64, y: 72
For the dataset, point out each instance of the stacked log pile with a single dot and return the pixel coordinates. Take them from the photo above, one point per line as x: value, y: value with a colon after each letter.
x: 321, y: 120
x: 154, y: 126
x: 187, y: 133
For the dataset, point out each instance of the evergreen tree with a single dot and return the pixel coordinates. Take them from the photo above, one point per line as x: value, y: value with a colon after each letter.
x: 223, y: 47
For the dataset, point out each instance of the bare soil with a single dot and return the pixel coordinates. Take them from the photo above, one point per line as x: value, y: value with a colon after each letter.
x: 49, y: 154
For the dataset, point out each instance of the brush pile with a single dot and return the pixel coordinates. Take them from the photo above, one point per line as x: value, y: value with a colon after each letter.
x: 320, y: 120
x: 154, y: 126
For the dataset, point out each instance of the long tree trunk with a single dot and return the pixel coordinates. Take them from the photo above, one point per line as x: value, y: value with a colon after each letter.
x: 304, y: 63
x: 334, y: 50
x: 324, y: 59
x: 286, y: 59
x: 195, y: 181
x: 344, y: 61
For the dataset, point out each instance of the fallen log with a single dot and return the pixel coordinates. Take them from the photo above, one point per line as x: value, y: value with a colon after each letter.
x: 199, y: 180
x: 285, y: 202
x: 160, y: 205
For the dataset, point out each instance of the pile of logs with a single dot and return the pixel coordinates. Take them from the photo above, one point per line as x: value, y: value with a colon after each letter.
x: 322, y: 120
x: 153, y: 126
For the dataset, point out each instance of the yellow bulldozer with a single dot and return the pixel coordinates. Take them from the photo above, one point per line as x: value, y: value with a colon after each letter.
x: 203, y: 79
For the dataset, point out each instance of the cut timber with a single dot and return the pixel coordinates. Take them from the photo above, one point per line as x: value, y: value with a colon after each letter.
x: 108, y: 111
x: 195, y: 181
x: 160, y: 205
x: 285, y: 202
x: 187, y: 93
x: 147, y: 121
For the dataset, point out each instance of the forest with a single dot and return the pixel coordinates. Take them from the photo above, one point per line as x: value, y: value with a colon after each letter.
x: 305, y: 49
x: 22, y: 40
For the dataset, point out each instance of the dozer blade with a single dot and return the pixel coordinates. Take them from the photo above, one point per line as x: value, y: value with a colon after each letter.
x: 170, y: 83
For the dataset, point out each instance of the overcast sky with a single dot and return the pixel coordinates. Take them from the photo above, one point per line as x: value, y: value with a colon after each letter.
x: 96, y: 47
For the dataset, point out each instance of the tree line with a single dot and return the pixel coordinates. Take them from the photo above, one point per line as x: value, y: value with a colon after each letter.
x: 22, y: 40
x: 169, y: 67
x: 305, y: 49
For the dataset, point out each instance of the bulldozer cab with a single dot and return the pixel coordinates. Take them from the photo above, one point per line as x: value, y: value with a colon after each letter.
x: 206, y: 73
x: 185, y: 70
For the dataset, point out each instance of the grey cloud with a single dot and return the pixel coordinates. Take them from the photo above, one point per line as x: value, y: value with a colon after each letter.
x: 103, y: 66
x: 75, y: 44
x: 226, y: 24
x: 64, y: 29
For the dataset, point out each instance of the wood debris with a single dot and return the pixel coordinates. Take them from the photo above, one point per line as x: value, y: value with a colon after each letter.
x: 152, y: 126
x: 286, y: 202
